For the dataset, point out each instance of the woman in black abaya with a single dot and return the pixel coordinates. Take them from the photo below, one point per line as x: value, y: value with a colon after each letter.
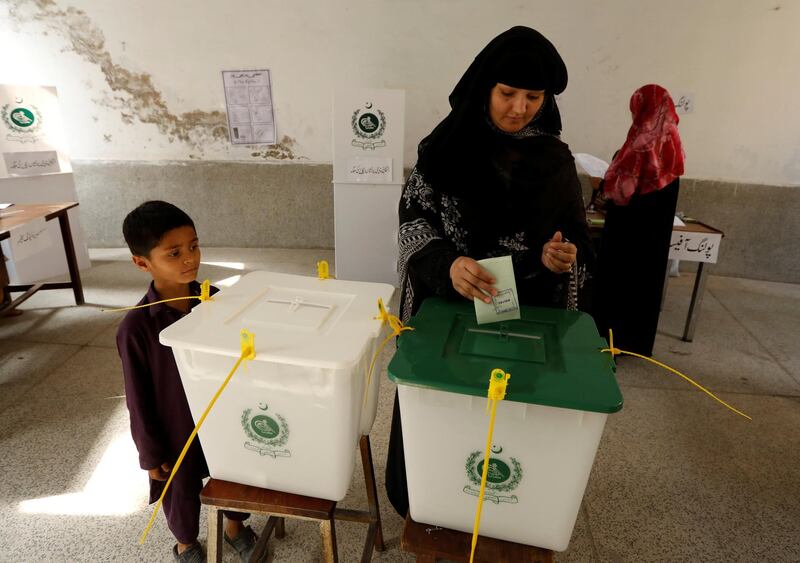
x: 493, y: 179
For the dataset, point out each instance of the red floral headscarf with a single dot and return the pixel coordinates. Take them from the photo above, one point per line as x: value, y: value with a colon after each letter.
x: 652, y: 156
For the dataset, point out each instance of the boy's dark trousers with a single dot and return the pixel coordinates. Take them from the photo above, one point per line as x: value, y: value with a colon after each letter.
x: 182, y: 508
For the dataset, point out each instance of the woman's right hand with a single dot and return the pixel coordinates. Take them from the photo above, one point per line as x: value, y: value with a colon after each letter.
x: 469, y: 278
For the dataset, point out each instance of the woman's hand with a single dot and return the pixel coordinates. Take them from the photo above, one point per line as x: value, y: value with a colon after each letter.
x: 469, y: 278
x: 558, y: 256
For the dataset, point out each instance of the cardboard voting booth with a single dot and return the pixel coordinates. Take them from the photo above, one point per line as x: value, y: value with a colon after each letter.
x: 368, y: 133
x: 290, y: 419
x: 35, y: 168
x: 547, y: 429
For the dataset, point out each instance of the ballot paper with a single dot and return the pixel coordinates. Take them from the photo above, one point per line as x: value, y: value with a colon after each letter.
x: 592, y: 165
x: 505, y: 305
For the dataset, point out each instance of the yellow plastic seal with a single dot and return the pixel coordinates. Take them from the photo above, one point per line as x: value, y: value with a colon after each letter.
x: 498, y: 383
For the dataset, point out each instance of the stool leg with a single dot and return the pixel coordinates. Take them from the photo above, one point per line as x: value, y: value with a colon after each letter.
x: 214, y: 548
x: 372, y: 492
x: 328, y: 529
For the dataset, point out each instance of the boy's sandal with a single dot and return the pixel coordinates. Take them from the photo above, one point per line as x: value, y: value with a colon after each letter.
x: 244, y: 543
x: 192, y: 554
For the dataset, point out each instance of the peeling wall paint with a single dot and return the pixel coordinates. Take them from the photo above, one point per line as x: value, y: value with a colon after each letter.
x: 135, y: 96
x: 284, y: 150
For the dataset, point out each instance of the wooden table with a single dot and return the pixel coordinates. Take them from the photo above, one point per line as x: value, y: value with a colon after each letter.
x: 430, y: 543
x: 19, y: 215
x: 694, y: 242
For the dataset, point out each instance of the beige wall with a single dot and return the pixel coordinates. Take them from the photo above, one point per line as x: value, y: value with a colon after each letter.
x: 141, y: 80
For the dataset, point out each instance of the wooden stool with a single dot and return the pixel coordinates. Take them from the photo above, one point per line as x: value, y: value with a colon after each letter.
x: 221, y: 495
x: 430, y: 543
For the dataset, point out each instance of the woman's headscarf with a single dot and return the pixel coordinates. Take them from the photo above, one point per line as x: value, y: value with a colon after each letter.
x: 652, y: 156
x: 455, y: 156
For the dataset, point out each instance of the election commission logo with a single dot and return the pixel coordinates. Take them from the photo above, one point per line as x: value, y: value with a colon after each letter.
x: 502, y: 477
x: 368, y: 124
x: 268, y: 434
x: 23, y: 120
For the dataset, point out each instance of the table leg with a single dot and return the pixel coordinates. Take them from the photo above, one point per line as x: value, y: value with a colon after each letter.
x: 372, y: 491
x: 72, y: 262
x: 5, y: 295
x: 664, y: 289
x: 696, y: 302
x: 280, y: 528
x: 214, y: 540
x: 328, y: 530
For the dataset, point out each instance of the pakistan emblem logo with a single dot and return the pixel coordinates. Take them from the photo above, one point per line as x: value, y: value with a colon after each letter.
x: 369, y: 125
x: 502, y: 477
x: 267, y: 433
x: 24, y: 122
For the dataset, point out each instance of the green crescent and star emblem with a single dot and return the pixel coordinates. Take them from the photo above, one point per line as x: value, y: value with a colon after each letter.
x: 24, y: 121
x: 502, y: 477
x: 368, y: 124
x: 267, y: 433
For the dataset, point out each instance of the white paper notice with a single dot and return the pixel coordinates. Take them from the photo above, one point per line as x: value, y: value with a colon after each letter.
x: 29, y: 239
x: 369, y: 170
x: 592, y: 165
x: 31, y: 163
x: 694, y: 247
x: 248, y: 98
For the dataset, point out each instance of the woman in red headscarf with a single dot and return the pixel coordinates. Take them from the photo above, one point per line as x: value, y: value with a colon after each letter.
x: 642, y: 186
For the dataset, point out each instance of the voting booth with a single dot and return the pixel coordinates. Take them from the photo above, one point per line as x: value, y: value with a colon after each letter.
x: 290, y: 419
x: 35, y: 168
x: 368, y: 133
x: 547, y: 429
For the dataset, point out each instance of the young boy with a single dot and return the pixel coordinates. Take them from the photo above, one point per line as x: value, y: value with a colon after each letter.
x: 163, y: 242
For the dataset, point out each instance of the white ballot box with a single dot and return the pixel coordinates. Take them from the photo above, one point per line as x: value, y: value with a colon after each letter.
x: 290, y: 419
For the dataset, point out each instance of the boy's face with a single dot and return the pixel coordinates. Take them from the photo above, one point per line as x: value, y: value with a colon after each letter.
x: 174, y: 260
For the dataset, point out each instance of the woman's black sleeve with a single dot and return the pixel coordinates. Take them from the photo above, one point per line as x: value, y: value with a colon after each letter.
x: 424, y: 248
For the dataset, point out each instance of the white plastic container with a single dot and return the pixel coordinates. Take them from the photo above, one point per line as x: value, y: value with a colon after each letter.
x: 546, y: 432
x: 290, y: 419
x: 550, y: 450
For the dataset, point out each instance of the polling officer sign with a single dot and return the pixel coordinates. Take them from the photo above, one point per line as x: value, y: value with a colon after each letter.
x: 368, y: 138
x: 368, y: 133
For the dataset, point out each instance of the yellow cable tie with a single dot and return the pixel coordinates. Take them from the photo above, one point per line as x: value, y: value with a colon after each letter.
x: 498, y: 383
x: 205, y: 291
x: 247, y: 342
x: 396, y: 326
x: 323, y: 270
x: 617, y: 351
x: 205, y: 295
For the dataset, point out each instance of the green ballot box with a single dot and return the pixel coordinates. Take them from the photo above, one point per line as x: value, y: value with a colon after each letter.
x: 547, y: 429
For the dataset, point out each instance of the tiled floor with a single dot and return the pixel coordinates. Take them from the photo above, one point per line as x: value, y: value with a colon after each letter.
x: 677, y: 476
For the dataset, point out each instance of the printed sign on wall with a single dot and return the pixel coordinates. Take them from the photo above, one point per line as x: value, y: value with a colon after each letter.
x: 32, y: 139
x: 248, y: 98
x: 31, y: 163
x: 368, y: 129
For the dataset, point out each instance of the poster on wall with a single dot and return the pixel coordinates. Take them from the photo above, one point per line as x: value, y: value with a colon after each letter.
x: 32, y: 140
x: 248, y: 101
